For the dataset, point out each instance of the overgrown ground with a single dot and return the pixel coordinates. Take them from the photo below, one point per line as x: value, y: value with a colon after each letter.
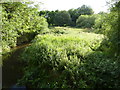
x: 64, y: 57
x: 69, y: 58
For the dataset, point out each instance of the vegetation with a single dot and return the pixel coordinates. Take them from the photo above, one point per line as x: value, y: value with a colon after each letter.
x: 66, y: 17
x: 18, y: 22
x: 85, y: 21
x: 69, y: 60
x: 110, y: 28
x: 62, y: 18
x: 84, y: 53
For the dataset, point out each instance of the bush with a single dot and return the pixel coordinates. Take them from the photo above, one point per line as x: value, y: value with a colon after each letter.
x: 85, y: 21
x: 98, y: 24
x: 102, y: 71
x: 109, y: 25
x: 111, y: 30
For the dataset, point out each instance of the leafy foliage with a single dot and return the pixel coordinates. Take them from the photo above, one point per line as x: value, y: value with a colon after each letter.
x: 49, y: 15
x: 62, y: 18
x: 108, y: 24
x: 65, y: 61
x: 85, y: 21
x: 99, y: 21
x: 19, y: 19
x: 74, y: 16
x: 75, y: 13
x: 85, y: 10
x: 65, y: 57
x: 112, y: 30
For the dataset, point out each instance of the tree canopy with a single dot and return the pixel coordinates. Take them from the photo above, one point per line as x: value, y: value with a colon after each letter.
x: 62, y: 18
x: 85, y: 21
x: 19, y: 19
x: 71, y: 15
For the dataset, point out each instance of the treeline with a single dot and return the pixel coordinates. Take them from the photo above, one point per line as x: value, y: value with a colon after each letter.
x: 67, y: 18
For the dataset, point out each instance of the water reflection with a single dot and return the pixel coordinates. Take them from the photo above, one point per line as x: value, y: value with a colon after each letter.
x: 12, y: 69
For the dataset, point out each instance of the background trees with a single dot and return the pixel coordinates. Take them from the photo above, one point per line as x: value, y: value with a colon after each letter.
x: 73, y: 15
x: 85, y: 21
x: 83, y: 10
x: 57, y: 18
x: 62, y: 18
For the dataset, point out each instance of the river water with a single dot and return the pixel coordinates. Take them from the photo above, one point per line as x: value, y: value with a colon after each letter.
x: 12, y: 69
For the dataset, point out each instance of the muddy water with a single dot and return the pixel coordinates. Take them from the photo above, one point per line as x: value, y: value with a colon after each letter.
x: 12, y: 69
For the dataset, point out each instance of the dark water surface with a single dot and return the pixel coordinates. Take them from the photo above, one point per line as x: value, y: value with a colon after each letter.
x: 12, y: 69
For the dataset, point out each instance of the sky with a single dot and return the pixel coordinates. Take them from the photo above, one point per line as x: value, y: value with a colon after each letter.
x: 96, y: 5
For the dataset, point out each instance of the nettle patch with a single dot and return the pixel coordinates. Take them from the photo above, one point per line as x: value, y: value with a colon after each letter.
x: 67, y: 62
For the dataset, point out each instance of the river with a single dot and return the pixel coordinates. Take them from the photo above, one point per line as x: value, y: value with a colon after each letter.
x: 12, y: 69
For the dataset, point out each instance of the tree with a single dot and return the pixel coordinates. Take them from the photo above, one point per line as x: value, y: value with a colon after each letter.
x: 49, y: 15
x: 62, y: 18
x: 111, y: 28
x: 84, y: 10
x: 18, y: 20
x: 99, y: 21
x: 85, y: 21
x: 101, y: 13
x: 75, y: 13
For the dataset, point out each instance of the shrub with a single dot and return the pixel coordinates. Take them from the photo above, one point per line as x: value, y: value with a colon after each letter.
x: 85, y: 21
x: 110, y: 27
x: 111, y: 30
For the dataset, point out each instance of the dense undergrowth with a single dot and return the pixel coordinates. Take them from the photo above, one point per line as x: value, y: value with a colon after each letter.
x: 69, y: 61
x: 64, y: 57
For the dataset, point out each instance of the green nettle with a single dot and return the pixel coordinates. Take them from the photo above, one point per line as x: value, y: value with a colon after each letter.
x: 18, y: 20
x: 63, y: 61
